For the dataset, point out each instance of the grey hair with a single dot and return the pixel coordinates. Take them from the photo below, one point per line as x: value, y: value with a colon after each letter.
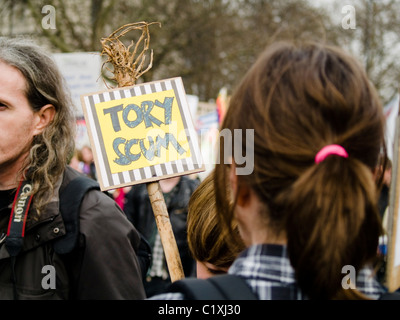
x: 51, y: 149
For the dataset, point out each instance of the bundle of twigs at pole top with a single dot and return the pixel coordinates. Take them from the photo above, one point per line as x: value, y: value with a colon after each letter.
x: 128, y: 61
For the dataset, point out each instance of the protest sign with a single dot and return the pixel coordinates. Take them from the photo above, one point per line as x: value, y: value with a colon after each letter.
x: 142, y: 133
x: 128, y: 65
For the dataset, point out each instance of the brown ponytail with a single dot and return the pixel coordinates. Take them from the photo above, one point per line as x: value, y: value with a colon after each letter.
x: 331, y: 215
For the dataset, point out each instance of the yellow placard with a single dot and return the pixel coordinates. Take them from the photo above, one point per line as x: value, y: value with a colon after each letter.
x: 143, y: 130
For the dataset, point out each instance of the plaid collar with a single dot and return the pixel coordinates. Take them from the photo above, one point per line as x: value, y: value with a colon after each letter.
x: 267, y: 270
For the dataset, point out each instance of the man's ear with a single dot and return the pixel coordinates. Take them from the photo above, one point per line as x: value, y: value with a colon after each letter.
x: 44, y: 117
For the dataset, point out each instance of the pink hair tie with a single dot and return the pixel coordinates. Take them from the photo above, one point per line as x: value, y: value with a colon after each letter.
x: 332, y: 149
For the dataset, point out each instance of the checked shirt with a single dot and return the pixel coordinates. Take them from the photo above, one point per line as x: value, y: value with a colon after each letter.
x: 267, y: 270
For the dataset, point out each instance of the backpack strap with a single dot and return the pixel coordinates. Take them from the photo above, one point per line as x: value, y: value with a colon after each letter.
x: 71, y: 197
x: 221, y: 287
x: 390, y: 296
x: 144, y: 255
x: 70, y: 203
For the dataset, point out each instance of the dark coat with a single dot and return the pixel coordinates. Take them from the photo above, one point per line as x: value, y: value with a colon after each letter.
x: 104, y: 265
x: 139, y: 211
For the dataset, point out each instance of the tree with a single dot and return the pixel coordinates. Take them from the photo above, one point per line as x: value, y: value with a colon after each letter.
x: 211, y: 43
x: 379, y: 35
x: 375, y: 41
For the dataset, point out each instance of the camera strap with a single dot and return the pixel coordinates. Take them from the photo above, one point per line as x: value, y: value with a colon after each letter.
x: 19, y: 213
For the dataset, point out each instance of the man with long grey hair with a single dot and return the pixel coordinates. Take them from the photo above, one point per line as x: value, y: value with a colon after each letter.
x: 37, y: 139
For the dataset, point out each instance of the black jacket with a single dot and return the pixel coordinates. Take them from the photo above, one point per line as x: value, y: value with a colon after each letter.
x: 104, y: 265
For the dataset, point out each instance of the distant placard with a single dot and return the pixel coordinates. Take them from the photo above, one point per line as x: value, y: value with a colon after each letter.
x: 81, y: 72
x: 141, y: 133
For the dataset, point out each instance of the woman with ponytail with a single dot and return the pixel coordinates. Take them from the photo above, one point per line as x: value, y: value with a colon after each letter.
x: 311, y: 201
x: 307, y: 211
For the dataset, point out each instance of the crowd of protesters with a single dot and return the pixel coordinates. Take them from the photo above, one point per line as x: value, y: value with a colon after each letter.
x: 287, y: 228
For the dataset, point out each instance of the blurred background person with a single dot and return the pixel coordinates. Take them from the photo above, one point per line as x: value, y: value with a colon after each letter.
x: 208, y: 243
x: 85, y: 155
x: 177, y: 192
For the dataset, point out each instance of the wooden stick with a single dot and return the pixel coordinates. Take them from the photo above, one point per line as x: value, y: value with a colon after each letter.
x: 165, y: 230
